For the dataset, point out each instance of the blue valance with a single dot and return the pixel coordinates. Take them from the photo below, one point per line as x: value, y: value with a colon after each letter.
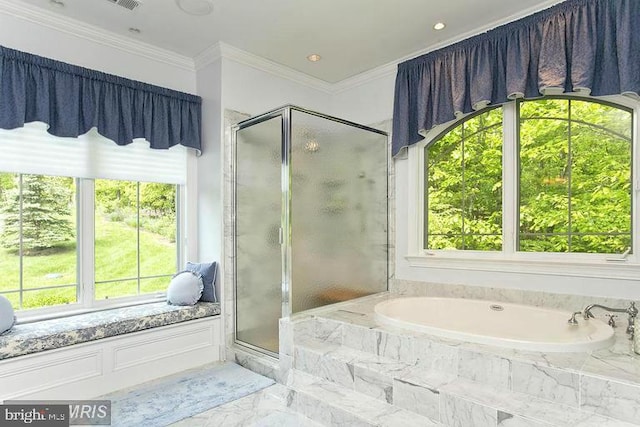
x: 72, y: 100
x: 585, y: 46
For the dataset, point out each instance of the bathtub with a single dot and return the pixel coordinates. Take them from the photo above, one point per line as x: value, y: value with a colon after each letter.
x: 495, y: 323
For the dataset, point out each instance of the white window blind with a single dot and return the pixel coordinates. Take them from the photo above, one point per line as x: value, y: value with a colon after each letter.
x: 31, y: 149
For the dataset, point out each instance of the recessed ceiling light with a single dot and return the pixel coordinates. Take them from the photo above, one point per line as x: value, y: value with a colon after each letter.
x: 314, y: 57
x: 439, y: 26
x: 56, y: 3
x: 134, y: 30
x: 195, y: 7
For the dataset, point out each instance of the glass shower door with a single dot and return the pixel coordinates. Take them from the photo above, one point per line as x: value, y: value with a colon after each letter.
x: 338, y: 210
x: 258, y: 213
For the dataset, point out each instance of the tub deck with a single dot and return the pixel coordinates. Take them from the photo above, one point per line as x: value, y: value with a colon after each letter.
x: 449, y: 381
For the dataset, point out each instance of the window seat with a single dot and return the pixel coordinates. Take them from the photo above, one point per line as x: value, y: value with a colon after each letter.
x: 62, y: 332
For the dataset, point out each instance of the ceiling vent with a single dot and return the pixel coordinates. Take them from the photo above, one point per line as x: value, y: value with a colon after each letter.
x: 128, y: 4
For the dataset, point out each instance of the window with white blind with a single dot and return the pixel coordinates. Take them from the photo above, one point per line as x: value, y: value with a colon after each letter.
x: 86, y: 223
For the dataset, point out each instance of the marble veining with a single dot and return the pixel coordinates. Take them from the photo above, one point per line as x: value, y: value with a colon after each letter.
x: 547, y: 383
x: 458, y: 412
x: 611, y: 398
x: 460, y: 383
x: 421, y: 400
x: 61, y: 332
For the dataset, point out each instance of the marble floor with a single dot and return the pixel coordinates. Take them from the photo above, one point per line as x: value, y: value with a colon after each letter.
x: 265, y: 408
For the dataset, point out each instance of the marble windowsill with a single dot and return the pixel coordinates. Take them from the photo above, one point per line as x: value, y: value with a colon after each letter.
x: 56, y: 333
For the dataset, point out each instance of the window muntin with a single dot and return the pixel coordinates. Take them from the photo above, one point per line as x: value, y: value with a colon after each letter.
x: 609, y: 124
x: 135, y: 237
x: 463, y: 182
x: 38, y: 261
x: 575, y: 177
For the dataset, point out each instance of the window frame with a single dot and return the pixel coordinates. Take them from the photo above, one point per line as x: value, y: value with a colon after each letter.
x: 508, y: 259
x: 85, y: 256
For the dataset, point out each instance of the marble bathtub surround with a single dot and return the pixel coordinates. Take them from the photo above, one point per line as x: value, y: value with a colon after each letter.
x: 34, y: 337
x: 439, y: 378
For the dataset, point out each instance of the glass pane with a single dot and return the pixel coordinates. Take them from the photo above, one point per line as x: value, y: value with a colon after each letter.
x: 338, y: 211
x: 464, y: 186
x: 444, y: 191
x: 9, y: 237
x: 443, y: 241
x: 155, y: 284
x: 258, y: 219
x: 48, y: 239
x: 600, y: 181
x: 598, y: 243
x: 609, y: 121
x: 543, y: 243
x: 544, y: 172
x: 157, y: 229
x: 117, y: 289
x: 575, y: 178
x: 482, y: 172
x: 116, y: 222
x: 48, y: 297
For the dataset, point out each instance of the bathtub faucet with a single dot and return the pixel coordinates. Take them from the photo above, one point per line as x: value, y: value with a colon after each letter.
x: 632, y: 311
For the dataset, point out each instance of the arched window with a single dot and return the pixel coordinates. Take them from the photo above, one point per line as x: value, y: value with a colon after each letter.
x: 568, y: 162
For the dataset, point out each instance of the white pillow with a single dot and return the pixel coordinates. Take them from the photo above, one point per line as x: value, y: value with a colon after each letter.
x: 7, y: 318
x: 185, y: 288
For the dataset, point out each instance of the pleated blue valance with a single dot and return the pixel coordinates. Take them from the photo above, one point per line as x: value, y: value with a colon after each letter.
x: 71, y: 100
x: 585, y: 46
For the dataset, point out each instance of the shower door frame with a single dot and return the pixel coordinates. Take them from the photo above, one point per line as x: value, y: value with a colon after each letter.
x: 284, y: 113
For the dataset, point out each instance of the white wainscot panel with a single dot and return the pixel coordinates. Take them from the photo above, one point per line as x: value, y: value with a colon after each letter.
x: 92, y: 369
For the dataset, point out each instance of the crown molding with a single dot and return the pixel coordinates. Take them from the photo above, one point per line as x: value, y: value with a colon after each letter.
x: 208, y: 56
x: 77, y: 28
x: 223, y: 50
x: 379, y: 72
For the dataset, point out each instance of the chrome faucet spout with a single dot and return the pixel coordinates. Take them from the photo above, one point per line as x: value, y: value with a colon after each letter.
x: 631, y: 311
x: 573, y: 320
x: 588, y: 314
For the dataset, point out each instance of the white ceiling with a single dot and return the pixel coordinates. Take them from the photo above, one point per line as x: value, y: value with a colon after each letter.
x: 352, y: 36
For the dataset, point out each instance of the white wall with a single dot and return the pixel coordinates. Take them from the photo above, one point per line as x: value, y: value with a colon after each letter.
x: 208, y: 184
x: 248, y: 90
x: 367, y: 102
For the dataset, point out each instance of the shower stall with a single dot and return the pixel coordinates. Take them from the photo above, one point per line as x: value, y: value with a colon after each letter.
x: 310, y: 218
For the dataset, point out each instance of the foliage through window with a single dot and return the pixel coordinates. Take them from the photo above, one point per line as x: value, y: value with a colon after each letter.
x: 463, y: 202
x: 572, y: 171
x: 38, y: 265
x: 42, y: 225
x: 135, y: 240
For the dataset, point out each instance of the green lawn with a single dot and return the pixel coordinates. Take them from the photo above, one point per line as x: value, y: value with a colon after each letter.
x: 115, y: 258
